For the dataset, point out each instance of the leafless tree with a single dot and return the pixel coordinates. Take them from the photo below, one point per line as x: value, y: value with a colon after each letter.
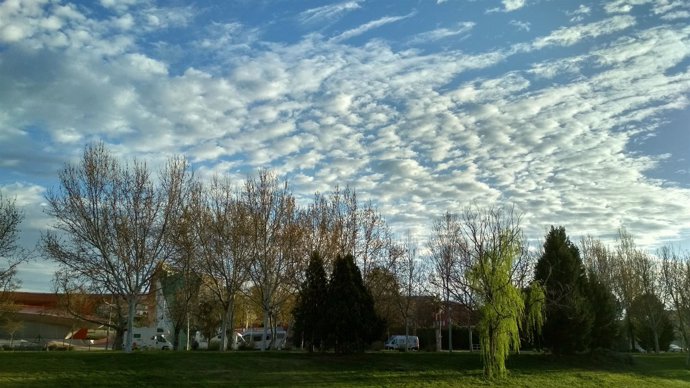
x: 675, y: 272
x: 111, y: 223
x: 449, y: 267
x: 91, y: 302
x: 274, y: 237
x: 625, y: 275
x: 411, y: 274
x: 10, y: 252
x: 224, y: 238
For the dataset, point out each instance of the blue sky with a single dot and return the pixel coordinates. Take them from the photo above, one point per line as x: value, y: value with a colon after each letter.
x: 575, y: 112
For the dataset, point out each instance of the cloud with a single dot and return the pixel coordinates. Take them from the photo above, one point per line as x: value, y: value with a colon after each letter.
x: 520, y: 25
x: 508, y: 6
x: 624, y: 6
x: 567, y: 36
x: 328, y: 12
x: 369, y: 26
x: 417, y: 131
x: 512, y: 5
x: 443, y: 33
x: 579, y: 14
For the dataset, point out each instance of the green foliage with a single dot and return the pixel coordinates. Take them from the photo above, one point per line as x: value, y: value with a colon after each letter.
x: 502, y: 306
x: 605, y: 309
x: 568, y: 314
x: 351, y: 320
x: 650, y: 319
x: 309, y: 314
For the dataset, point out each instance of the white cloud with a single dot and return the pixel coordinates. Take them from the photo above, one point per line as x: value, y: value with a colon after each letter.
x: 579, y: 14
x: 520, y: 25
x: 443, y: 33
x: 419, y: 132
x: 512, y: 5
x: 369, y: 26
x: 625, y: 6
x: 328, y: 12
x: 567, y: 36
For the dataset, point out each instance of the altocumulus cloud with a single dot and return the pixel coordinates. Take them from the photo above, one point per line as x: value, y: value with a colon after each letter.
x: 421, y: 112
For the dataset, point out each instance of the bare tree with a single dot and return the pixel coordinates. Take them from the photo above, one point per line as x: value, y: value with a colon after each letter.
x: 91, y: 302
x: 675, y: 272
x: 626, y: 280
x: 10, y: 252
x: 273, y: 242
x: 111, y: 223
x: 450, y: 267
x: 410, y: 273
x: 221, y: 228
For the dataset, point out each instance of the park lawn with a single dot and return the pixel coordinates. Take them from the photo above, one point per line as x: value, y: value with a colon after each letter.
x: 253, y: 369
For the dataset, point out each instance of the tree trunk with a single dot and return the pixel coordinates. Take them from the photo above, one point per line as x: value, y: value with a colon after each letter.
x: 132, y: 307
x: 227, y: 321
x: 265, y: 332
x: 631, y: 335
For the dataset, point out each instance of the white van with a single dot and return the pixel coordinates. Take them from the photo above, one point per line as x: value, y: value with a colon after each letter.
x: 397, y: 342
x: 253, y: 338
x: 149, y: 338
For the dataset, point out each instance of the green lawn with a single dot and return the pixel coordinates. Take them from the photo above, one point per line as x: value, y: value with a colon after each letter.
x: 251, y: 369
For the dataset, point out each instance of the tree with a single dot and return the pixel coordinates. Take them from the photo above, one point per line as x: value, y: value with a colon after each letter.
x: 651, y: 323
x: 605, y: 310
x: 91, y: 302
x: 675, y: 269
x: 111, y: 222
x: 220, y: 227
x: 568, y: 316
x: 493, y: 244
x: 351, y: 319
x: 273, y: 239
x: 450, y: 267
x: 410, y: 274
x: 626, y: 279
x: 10, y: 219
x: 309, y: 313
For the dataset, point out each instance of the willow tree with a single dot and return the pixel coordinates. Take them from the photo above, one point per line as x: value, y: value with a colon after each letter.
x: 493, y: 244
x: 111, y: 223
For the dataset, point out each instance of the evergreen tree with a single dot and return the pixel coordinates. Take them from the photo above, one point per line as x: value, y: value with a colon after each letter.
x: 310, y: 311
x: 568, y: 313
x: 605, y: 310
x: 351, y: 320
x: 651, y: 324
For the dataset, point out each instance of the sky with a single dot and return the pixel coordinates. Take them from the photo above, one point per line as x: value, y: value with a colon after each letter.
x: 574, y: 112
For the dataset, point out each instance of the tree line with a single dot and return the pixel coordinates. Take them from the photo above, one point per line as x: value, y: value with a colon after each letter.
x: 220, y: 249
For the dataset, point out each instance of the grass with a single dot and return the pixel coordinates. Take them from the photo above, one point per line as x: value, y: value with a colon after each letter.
x: 254, y: 369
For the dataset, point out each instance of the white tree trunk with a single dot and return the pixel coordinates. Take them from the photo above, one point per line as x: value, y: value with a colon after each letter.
x: 132, y: 306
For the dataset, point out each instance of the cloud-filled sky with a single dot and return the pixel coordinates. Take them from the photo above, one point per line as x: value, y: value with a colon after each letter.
x: 575, y: 112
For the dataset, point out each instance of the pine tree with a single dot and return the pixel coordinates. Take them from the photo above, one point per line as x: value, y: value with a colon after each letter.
x: 568, y: 313
x: 605, y: 310
x: 310, y: 311
x: 351, y: 320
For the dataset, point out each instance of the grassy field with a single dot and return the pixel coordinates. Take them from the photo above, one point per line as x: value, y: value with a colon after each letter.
x: 254, y: 369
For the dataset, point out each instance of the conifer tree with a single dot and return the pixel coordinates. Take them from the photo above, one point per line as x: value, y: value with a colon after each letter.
x: 351, y: 319
x: 310, y: 311
x: 568, y: 316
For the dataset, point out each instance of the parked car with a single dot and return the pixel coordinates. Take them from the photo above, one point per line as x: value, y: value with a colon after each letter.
x: 674, y: 348
x: 397, y: 342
